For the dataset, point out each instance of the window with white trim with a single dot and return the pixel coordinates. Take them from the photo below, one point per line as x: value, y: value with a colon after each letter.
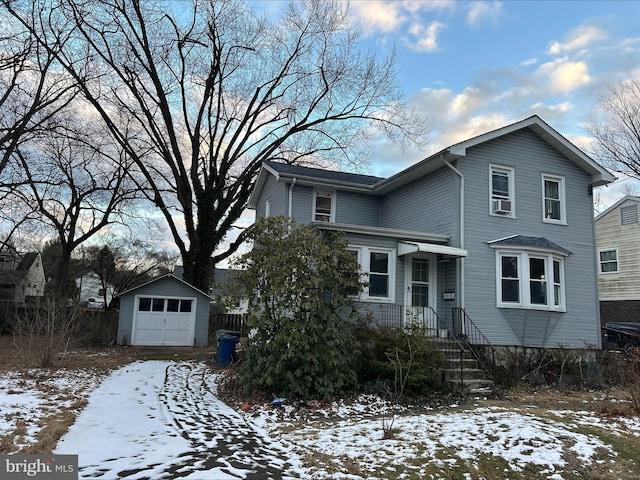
x: 530, y: 280
x: 501, y: 188
x: 323, y: 206
x: 553, y: 199
x: 378, y: 266
x: 608, y: 260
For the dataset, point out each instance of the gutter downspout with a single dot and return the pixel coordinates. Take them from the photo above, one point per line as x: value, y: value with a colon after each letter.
x: 461, y: 228
x: 293, y: 183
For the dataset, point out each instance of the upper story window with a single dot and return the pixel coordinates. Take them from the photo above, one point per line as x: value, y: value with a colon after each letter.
x: 378, y: 267
x: 608, y: 260
x: 502, y: 186
x: 324, y: 206
x: 530, y: 280
x: 629, y: 215
x: 553, y: 199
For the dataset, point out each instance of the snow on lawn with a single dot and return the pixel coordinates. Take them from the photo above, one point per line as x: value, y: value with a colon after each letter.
x: 420, y: 439
x: 26, y: 398
x: 162, y: 419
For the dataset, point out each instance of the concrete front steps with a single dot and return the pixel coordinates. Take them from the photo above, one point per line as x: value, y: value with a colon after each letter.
x: 462, y: 370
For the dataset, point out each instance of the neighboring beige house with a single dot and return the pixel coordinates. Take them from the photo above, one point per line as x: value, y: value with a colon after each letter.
x: 21, y: 277
x: 618, y: 249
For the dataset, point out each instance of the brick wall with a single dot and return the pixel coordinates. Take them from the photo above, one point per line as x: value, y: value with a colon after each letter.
x: 619, y: 311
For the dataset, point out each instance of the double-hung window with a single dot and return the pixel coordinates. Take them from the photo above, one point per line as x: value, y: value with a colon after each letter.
x: 378, y: 267
x: 501, y: 187
x: 553, y: 199
x: 324, y: 206
x: 530, y: 280
x: 608, y: 260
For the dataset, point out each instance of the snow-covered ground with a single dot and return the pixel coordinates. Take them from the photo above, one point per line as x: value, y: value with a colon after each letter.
x: 161, y: 419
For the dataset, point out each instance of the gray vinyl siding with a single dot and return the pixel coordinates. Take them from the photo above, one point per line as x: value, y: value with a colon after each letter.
x: 351, y: 207
x: 276, y: 193
x: 430, y: 204
x: 357, y: 208
x: 530, y: 156
x: 166, y: 287
x: 302, y: 207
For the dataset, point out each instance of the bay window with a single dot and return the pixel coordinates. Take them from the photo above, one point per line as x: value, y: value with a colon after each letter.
x: 531, y: 280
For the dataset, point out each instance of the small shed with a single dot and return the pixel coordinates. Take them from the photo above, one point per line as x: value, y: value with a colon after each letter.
x: 166, y: 311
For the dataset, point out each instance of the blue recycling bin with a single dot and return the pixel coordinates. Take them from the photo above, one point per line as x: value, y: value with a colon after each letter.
x: 226, y: 349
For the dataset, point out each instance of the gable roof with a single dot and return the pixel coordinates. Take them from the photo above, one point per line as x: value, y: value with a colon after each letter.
x: 627, y: 198
x: 168, y: 275
x: 27, y: 260
x: 317, y: 176
x: 599, y: 175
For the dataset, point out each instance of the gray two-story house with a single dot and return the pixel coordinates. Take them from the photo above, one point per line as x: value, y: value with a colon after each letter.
x: 497, y: 229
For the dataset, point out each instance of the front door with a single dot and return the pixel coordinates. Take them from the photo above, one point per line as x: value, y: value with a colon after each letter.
x: 421, y: 288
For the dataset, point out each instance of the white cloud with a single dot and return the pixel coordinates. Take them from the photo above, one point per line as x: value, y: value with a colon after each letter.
x: 577, y: 38
x: 565, y: 76
x: 528, y: 61
x: 469, y: 101
x: 379, y: 15
x: 424, y: 38
x: 484, y: 12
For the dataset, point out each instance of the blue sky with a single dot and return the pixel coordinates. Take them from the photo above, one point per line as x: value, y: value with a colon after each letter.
x: 479, y: 65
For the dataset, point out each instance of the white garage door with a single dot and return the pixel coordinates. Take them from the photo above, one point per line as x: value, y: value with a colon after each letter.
x: 164, y: 321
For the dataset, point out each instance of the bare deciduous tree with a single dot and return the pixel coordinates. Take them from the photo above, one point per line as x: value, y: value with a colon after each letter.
x: 199, y: 93
x: 618, y: 138
x: 32, y: 87
x: 78, y: 184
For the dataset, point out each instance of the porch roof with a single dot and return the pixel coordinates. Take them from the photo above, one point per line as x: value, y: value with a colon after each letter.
x: 406, y: 247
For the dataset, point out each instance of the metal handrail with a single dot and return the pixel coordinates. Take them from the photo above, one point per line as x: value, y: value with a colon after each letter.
x: 477, y: 343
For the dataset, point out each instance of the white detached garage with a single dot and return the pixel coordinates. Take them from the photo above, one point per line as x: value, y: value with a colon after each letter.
x: 164, y: 312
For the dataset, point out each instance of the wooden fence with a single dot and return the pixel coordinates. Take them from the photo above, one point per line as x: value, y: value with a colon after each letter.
x: 236, y: 322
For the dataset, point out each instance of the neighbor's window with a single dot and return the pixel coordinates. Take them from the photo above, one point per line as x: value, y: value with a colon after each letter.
x: 378, y: 267
x: 324, y: 207
x: 608, y: 261
x: 530, y: 280
x: 554, y: 209
x: 502, y: 198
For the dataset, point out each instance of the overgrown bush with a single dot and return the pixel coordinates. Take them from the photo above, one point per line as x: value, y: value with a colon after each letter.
x: 44, y: 330
x: 399, y: 363
x: 300, y: 285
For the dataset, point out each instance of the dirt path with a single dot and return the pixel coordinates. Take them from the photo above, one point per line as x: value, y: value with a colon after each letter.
x: 152, y: 420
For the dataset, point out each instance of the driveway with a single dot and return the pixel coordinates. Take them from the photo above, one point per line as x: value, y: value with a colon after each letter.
x: 160, y: 419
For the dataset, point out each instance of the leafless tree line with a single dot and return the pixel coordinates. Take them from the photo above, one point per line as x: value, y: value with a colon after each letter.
x: 115, y: 104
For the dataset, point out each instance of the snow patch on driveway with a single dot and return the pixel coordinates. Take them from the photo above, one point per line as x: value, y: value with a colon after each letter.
x: 159, y: 419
